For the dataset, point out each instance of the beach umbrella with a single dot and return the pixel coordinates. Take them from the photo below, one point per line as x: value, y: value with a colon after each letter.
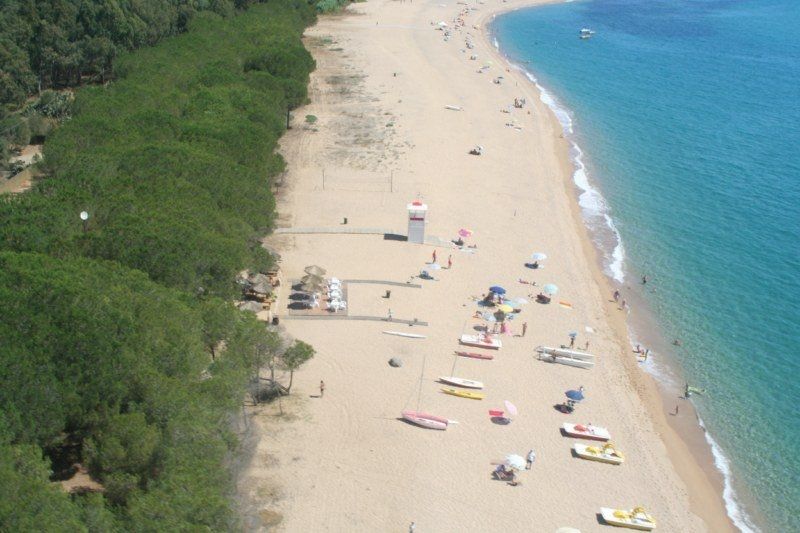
x: 464, y: 232
x: 550, y: 288
x: 517, y: 462
x: 312, y: 278
x: 497, y: 289
x: 511, y: 409
x: 538, y: 256
x: 517, y: 302
x: 575, y: 395
x: 505, y: 308
x: 315, y: 270
x: 572, y: 334
x: 434, y: 266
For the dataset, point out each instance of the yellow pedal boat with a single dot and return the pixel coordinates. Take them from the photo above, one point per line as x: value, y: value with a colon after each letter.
x: 636, y: 518
x: 465, y: 394
x: 605, y: 453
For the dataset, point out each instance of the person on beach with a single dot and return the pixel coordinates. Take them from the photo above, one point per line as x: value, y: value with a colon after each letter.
x: 571, y: 341
x: 412, y: 527
x: 676, y: 409
x: 321, y: 388
x: 586, y: 348
x: 434, y: 257
x: 450, y: 262
x: 530, y: 459
x: 389, y: 316
x: 524, y: 328
x: 644, y: 279
x: 616, y: 295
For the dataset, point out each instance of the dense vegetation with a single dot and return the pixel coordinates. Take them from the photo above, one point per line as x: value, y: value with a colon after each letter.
x: 117, y: 349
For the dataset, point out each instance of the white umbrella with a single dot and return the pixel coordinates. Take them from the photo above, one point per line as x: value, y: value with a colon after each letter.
x: 434, y: 266
x: 517, y: 462
x: 539, y: 256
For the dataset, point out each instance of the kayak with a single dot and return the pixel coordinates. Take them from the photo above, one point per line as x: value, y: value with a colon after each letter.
x: 476, y: 355
x: 465, y: 394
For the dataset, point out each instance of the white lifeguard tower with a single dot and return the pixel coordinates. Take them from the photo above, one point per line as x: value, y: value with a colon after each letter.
x: 416, y: 221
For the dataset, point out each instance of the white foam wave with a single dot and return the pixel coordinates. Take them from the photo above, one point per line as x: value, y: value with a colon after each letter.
x: 735, y: 511
x: 593, y: 206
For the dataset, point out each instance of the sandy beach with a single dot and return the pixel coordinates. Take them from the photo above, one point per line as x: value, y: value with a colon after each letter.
x: 384, y: 136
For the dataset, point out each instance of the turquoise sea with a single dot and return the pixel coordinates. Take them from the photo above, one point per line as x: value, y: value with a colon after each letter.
x: 685, y: 122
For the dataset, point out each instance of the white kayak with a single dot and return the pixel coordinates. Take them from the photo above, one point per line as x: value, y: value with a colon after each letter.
x: 564, y: 360
x: 461, y: 382
x: 426, y: 420
x: 409, y: 335
x: 587, y: 431
x: 604, y: 453
x: 636, y: 518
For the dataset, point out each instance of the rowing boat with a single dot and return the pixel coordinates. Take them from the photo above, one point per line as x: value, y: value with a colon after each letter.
x: 475, y: 355
x: 465, y: 394
x: 461, y: 382
x: 409, y: 335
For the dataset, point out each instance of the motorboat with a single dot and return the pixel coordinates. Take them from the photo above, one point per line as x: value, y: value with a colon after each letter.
x: 636, y: 518
x: 481, y: 341
x: 585, y: 33
x: 605, y: 453
x: 587, y: 431
x: 461, y: 382
x: 426, y: 420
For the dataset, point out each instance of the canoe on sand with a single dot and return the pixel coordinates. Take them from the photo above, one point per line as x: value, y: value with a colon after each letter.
x: 425, y: 420
x: 475, y: 355
x: 481, y: 341
x: 472, y: 395
x: 461, y: 382
x: 409, y: 335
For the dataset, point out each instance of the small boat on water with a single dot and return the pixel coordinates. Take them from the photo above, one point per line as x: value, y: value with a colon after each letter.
x: 481, y: 341
x: 472, y: 395
x: 564, y: 360
x: 585, y: 33
x: 426, y: 420
x: 636, y: 518
x: 461, y: 382
x: 605, y: 453
x: 409, y: 335
x: 587, y: 431
x: 476, y: 355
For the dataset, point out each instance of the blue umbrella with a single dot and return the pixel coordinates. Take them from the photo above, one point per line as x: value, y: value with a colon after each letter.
x: 575, y: 395
x: 550, y: 288
x: 497, y: 289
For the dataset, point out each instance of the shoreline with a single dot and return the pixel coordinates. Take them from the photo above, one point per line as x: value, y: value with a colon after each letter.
x: 703, y: 496
x: 708, y: 456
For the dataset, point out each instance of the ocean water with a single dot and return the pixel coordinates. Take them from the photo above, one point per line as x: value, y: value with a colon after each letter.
x: 685, y: 122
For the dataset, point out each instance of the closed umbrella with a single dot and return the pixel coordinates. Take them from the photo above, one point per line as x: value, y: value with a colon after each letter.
x: 538, y: 256
x: 497, y: 289
x: 511, y: 409
x: 550, y: 288
x: 575, y: 395
x: 315, y: 270
x: 517, y: 462
x: 464, y: 232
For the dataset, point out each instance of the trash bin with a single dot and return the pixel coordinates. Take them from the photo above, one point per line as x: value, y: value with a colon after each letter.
x: 275, y: 321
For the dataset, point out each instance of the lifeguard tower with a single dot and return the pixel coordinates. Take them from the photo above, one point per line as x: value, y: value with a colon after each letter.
x: 416, y: 221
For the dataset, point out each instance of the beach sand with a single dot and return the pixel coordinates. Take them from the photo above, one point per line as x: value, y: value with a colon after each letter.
x: 382, y: 138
